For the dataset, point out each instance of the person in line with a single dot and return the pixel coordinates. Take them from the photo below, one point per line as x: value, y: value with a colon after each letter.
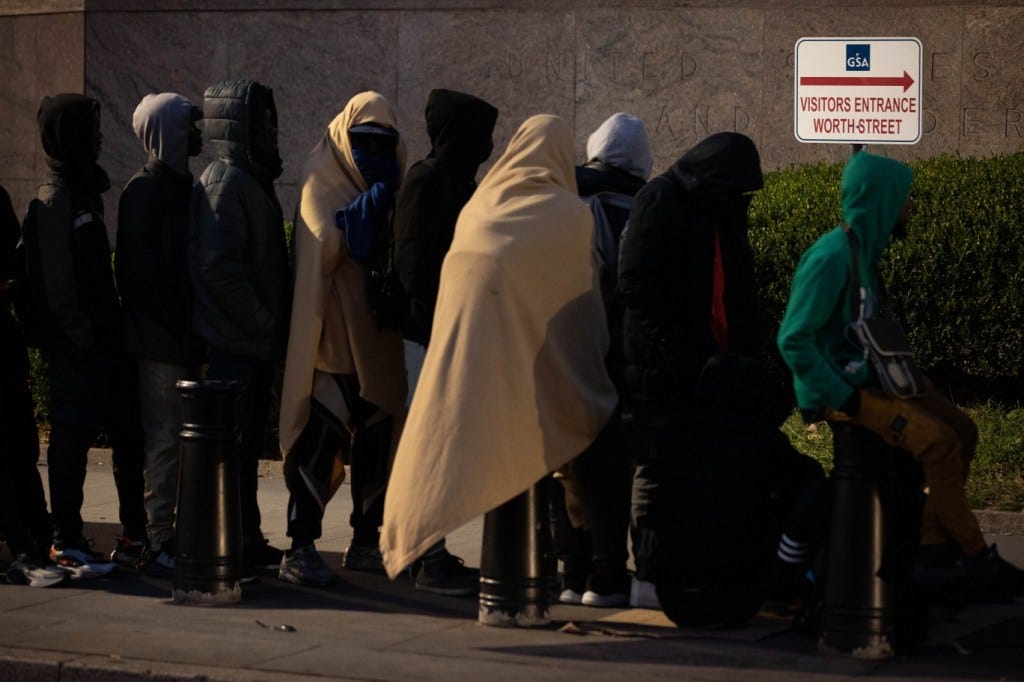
x: 152, y: 277
x: 24, y: 519
x: 686, y: 277
x: 433, y: 193
x: 240, y: 276
x: 834, y: 381
x: 344, y: 382
x: 594, y: 554
x: 514, y: 383
x: 77, y: 321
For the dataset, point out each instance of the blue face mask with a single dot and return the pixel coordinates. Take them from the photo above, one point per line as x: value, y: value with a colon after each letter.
x: 375, y: 158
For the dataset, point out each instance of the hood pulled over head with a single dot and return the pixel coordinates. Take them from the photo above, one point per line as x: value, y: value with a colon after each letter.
x: 66, y: 125
x: 622, y: 142
x: 460, y: 127
x: 162, y: 121
x: 874, y: 190
x: 241, y: 123
x: 723, y: 162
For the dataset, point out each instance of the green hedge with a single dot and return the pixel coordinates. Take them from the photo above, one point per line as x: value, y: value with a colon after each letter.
x: 956, y: 282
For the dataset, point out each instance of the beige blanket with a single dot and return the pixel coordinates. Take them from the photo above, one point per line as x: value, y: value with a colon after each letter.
x: 332, y: 329
x: 514, y: 383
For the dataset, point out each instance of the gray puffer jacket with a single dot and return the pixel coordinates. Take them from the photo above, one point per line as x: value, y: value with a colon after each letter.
x: 238, y: 258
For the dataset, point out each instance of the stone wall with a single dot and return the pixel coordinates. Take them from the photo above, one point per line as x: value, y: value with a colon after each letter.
x: 687, y: 70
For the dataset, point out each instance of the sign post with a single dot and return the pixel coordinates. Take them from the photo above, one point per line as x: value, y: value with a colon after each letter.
x: 857, y: 90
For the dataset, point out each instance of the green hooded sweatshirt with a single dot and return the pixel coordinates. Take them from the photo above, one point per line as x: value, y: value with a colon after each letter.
x: 826, y: 364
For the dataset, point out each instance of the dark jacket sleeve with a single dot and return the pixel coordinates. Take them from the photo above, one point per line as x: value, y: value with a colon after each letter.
x: 222, y: 267
x: 424, y: 224
x: 144, y: 276
x: 10, y: 233
x: 57, y: 268
x: 647, y: 255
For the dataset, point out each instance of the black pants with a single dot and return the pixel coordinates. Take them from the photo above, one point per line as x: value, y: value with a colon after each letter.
x: 24, y: 520
x: 257, y: 379
x: 90, y: 391
x: 362, y: 434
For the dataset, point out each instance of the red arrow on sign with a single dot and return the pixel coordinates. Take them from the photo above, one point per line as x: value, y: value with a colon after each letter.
x: 906, y: 81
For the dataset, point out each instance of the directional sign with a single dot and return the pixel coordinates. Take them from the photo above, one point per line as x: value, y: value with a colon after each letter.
x: 857, y: 90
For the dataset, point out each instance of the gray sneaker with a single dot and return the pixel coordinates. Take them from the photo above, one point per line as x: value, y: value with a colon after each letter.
x: 365, y: 558
x: 305, y: 566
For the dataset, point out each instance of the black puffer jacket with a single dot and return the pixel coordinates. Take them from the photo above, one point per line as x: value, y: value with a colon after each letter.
x: 73, y: 301
x: 666, y: 270
x: 432, y: 195
x: 238, y: 258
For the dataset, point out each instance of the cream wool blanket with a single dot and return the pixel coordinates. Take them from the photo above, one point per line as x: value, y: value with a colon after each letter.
x: 332, y: 328
x: 514, y: 383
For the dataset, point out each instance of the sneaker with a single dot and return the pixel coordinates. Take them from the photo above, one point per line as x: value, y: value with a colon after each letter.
x: 80, y: 561
x: 305, y: 566
x: 605, y: 593
x: 160, y: 559
x: 128, y: 552
x: 572, y: 590
x: 990, y: 573
x: 261, y: 556
x: 445, y: 573
x: 26, y: 571
x: 642, y: 595
x: 359, y: 557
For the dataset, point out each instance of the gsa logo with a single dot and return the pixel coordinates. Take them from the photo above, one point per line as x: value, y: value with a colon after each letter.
x: 858, y: 57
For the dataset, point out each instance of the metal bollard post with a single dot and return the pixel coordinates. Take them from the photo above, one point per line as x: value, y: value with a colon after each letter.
x: 857, y: 613
x: 208, y: 536
x: 517, y: 561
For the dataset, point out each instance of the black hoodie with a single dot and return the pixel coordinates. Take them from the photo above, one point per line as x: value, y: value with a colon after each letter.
x: 433, y: 193
x: 667, y: 266
x: 74, y: 304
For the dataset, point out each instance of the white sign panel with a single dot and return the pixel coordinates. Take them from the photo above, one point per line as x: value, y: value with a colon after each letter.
x: 857, y: 90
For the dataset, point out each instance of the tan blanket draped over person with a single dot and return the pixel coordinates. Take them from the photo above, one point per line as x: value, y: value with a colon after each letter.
x: 514, y: 383
x: 332, y: 329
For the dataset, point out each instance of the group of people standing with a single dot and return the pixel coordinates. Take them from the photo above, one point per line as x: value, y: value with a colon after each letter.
x: 452, y: 344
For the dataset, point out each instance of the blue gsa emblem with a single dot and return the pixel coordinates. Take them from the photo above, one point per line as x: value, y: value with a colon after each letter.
x: 858, y: 57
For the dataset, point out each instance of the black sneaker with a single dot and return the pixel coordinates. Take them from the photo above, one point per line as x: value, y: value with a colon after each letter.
x: 360, y: 557
x: 159, y: 559
x: 988, y: 574
x: 128, y: 552
x: 27, y: 571
x: 261, y: 556
x: 604, y: 592
x: 445, y: 573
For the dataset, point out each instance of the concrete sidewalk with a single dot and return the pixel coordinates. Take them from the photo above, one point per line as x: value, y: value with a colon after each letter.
x: 368, y: 628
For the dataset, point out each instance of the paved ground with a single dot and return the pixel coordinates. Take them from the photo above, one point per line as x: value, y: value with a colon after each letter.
x: 366, y: 627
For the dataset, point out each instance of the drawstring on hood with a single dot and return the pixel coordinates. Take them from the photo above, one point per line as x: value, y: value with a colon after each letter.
x: 622, y: 142
x: 162, y: 122
x: 67, y: 124
x: 460, y: 127
x: 874, y: 190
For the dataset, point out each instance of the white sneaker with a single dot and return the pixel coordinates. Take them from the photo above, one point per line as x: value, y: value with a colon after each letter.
x: 570, y: 596
x: 642, y: 595
x: 34, y: 574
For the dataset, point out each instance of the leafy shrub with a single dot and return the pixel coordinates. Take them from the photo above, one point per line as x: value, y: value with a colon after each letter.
x: 956, y: 282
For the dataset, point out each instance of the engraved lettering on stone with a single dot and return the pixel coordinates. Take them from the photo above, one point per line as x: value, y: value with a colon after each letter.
x: 930, y: 121
x: 971, y: 122
x: 515, y: 65
x: 687, y: 66
x: 701, y: 120
x: 648, y: 70
x: 557, y: 68
x: 664, y: 125
x: 740, y: 119
x: 983, y: 65
x: 1014, y: 123
x: 940, y: 65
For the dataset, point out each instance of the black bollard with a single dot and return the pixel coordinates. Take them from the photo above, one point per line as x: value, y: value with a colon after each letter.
x: 517, y: 562
x: 208, y: 535
x: 857, y: 607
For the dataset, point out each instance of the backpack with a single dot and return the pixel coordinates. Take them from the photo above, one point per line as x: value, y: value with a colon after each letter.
x: 606, y: 236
